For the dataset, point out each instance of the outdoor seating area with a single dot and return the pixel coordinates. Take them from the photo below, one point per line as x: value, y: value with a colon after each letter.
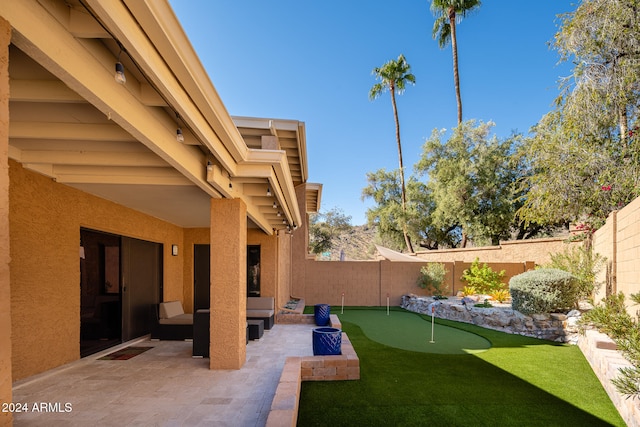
x: 173, y: 322
x: 261, y: 308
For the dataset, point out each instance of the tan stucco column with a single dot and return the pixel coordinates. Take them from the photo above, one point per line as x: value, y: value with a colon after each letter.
x: 5, y: 294
x: 228, y: 327
x: 299, y: 247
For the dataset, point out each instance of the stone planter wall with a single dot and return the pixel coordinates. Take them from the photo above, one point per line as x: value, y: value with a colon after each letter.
x: 556, y: 327
x: 600, y: 351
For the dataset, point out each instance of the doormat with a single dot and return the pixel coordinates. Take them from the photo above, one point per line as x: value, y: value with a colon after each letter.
x: 125, y: 353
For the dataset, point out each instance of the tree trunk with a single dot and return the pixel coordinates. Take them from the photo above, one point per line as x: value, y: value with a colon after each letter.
x: 622, y: 118
x: 463, y: 243
x: 403, y: 193
x: 454, y: 49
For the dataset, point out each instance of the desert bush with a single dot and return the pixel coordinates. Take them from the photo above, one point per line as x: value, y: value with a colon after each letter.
x: 432, y: 278
x: 610, y: 317
x: 544, y: 290
x: 583, y: 264
x: 483, y: 278
x: 500, y: 295
x: 468, y: 291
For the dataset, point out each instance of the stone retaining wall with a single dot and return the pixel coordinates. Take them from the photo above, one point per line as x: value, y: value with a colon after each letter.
x: 600, y: 351
x: 553, y: 327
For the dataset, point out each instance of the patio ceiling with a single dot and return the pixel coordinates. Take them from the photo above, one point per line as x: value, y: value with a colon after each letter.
x: 70, y: 121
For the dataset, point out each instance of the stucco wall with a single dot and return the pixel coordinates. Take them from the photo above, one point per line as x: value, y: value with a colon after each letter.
x: 284, y: 287
x: 227, y: 347
x: 45, y: 221
x: 299, y: 248
x: 5, y: 289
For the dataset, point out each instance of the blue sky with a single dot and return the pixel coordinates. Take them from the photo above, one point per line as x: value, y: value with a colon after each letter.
x: 312, y: 61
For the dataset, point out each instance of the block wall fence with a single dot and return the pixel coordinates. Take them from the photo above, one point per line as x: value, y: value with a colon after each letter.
x: 367, y: 283
x: 619, y: 241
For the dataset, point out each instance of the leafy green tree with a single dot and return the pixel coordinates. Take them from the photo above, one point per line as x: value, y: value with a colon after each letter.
x: 323, y: 228
x: 574, y: 176
x: 387, y: 214
x: 584, y: 157
x: 393, y: 76
x: 602, y: 38
x: 448, y: 13
x: 383, y: 187
x: 472, y: 181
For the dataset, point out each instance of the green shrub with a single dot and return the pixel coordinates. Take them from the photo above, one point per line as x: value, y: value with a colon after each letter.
x: 484, y: 304
x: 483, y: 278
x: 432, y: 278
x: 583, y: 264
x: 545, y: 290
x: 610, y: 317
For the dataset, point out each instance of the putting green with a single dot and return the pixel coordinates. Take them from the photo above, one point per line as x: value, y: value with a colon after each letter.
x: 408, y: 331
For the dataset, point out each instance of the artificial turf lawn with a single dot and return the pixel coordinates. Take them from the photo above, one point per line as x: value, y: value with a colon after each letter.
x: 520, y: 381
x: 408, y: 331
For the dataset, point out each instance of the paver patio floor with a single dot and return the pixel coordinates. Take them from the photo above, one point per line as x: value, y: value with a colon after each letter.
x: 163, y: 386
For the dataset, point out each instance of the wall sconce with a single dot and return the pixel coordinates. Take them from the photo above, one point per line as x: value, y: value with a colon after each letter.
x: 119, y: 76
x: 179, y: 135
x: 174, y: 250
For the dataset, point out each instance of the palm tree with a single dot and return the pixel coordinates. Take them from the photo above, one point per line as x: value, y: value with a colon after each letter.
x: 448, y: 13
x: 394, y: 76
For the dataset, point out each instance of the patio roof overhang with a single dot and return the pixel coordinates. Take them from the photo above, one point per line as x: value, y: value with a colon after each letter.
x: 72, y: 122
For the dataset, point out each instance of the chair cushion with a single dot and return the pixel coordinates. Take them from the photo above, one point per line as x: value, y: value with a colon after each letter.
x: 259, y: 313
x: 260, y: 303
x: 180, y: 319
x: 170, y: 309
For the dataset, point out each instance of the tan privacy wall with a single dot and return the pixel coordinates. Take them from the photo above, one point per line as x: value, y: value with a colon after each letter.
x: 619, y: 241
x: 535, y: 250
x: 45, y: 221
x: 368, y: 282
x: 5, y: 289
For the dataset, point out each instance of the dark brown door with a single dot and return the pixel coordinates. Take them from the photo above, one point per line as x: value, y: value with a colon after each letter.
x: 201, y: 277
x: 141, y: 286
